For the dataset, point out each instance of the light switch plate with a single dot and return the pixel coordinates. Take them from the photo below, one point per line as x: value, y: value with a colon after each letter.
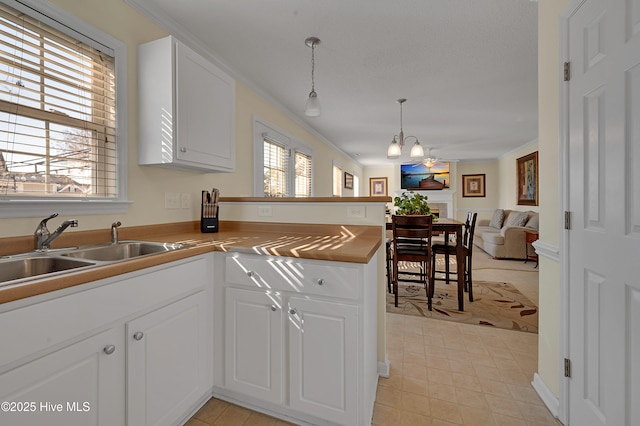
x: 171, y: 200
x: 265, y: 211
x: 185, y: 200
x: 356, y: 211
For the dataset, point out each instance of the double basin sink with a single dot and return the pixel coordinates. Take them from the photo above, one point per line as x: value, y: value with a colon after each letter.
x: 39, y: 264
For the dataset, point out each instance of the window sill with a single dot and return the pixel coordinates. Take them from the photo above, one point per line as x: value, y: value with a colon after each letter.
x: 36, y: 208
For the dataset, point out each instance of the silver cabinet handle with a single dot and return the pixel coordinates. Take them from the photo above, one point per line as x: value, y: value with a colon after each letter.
x: 109, y: 349
x: 274, y: 308
x: 138, y: 335
x: 183, y: 149
x: 293, y: 311
x: 250, y: 273
x: 320, y: 281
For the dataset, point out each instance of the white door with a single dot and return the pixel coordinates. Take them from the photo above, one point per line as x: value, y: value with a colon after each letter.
x: 205, y: 103
x: 604, y: 200
x: 253, y: 343
x: 81, y: 384
x: 167, y: 362
x: 323, y: 356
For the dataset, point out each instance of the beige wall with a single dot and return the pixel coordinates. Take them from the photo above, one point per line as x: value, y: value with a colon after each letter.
x: 549, y: 350
x: 508, y: 182
x: 484, y: 206
x: 147, y: 185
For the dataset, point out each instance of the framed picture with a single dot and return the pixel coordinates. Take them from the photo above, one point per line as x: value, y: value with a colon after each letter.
x: 378, y: 186
x: 473, y: 185
x: 348, y: 180
x: 527, y: 179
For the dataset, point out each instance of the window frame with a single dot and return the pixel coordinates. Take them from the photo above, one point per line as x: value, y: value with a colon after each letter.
x: 36, y: 206
x: 260, y: 127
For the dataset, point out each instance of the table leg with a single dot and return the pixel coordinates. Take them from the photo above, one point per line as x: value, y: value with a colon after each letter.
x: 460, y: 264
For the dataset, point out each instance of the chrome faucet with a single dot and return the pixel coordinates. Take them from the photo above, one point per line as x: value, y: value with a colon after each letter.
x: 43, y: 238
x: 114, y: 232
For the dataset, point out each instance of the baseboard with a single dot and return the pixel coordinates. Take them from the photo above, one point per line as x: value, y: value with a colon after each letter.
x: 550, y: 400
x: 384, y: 367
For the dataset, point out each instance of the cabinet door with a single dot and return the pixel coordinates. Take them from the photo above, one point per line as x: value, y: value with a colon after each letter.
x: 81, y: 384
x: 205, y: 112
x: 323, y: 352
x: 253, y: 343
x: 168, y: 362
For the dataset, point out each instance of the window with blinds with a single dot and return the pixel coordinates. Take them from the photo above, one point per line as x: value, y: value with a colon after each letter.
x: 287, y: 169
x: 337, y: 180
x: 303, y: 175
x: 57, y: 113
x: 275, y: 169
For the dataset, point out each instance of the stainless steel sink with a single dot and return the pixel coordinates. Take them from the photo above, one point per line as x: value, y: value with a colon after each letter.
x: 19, y: 268
x: 122, y: 250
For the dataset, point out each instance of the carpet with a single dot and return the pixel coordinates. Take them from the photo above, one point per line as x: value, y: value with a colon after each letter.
x: 495, y: 304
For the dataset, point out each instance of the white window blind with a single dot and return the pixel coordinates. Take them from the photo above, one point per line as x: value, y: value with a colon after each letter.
x: 303, y: 175
x: 57, y: 113
x: 275, y: 169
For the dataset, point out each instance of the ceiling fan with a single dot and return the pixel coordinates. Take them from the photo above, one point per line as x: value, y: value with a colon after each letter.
x: 429, y: 161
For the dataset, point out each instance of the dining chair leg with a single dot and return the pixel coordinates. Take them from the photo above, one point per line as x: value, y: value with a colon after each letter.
x: 395, y: 282
x: 446, y: 267
x: 388, y: 268
x: 469, y: 279
x: 432, y: 275
x: 429, y: 283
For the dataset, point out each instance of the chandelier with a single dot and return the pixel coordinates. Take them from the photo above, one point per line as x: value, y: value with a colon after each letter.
x: 395, y: 149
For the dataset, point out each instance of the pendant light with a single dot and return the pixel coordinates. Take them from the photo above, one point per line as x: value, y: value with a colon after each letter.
x: 395, y: 149
x: 312, y: 108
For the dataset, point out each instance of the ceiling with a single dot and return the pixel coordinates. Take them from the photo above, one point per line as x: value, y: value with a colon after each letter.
x: 468, y: 68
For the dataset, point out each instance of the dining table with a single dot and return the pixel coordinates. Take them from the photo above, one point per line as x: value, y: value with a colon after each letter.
x: 448, y: 227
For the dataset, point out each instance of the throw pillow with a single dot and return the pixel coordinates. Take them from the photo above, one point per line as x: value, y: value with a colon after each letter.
x: 517, y: 219
x: 497, y: 219
x: 533, y: 221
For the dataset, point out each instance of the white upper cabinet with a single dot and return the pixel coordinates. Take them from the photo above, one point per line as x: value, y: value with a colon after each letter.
x: 186, y: 109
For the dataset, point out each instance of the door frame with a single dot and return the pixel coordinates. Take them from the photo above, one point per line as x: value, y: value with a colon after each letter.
x: 564, y: 414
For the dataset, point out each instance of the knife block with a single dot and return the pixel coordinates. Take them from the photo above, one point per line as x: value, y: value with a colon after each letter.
x: 208, y: 223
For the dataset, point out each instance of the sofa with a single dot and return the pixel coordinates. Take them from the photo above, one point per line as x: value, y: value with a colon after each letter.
x: 503, y: 236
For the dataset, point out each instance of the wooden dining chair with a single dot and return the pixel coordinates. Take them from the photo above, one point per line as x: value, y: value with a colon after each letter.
x: 412, y: 243
x: 450, y: 250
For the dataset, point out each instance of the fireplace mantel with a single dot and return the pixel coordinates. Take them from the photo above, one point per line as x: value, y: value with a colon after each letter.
x: 444, y: 196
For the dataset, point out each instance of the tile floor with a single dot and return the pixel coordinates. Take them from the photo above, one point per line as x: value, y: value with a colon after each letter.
x: 445, y: 373
x: 442, y: 374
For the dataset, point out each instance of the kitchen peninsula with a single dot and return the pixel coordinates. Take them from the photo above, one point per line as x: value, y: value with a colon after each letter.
x: 216, y: 300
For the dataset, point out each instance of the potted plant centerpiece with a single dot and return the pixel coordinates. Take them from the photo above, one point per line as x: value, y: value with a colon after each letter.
x: 410, y: 203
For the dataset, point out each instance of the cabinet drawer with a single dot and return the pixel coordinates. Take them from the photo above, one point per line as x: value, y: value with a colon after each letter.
x: 295, y: 275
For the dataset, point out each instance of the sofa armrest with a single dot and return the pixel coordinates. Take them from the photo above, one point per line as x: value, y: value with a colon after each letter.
x: 483, y: 222
x: 514, y: 241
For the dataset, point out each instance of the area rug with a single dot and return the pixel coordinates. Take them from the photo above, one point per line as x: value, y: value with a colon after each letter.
x: 495, y: 304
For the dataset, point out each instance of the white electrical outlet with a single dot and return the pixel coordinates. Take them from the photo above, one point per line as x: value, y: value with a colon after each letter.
x: 265, y: 211
x: 185, y: 200
x: 171, y: 200
x: 356, y: 211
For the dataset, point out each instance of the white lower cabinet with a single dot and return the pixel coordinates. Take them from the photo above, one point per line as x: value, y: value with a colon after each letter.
x: 253, y: 343
x: 166, y: 363
x: 129, y: 350
x: 298, y: 337
x: 79, y: 384
x: 323, y: 359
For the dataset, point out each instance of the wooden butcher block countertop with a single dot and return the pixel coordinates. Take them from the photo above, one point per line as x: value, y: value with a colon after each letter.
x: 341, y: 243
